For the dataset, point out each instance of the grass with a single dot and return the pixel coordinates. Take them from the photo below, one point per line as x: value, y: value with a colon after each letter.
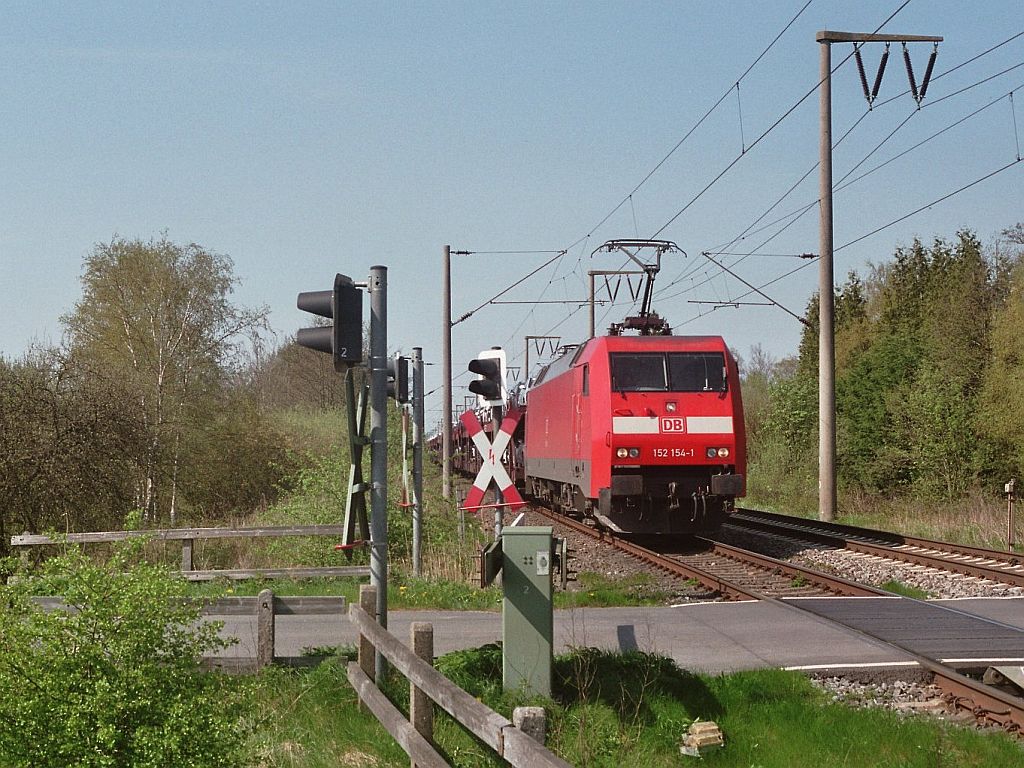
x: 311, y: 720
x: 599, y: 591
x: 899, y: 588
x: 976, y: 520
x: 616, y: 709
x: 406, y: 592
x: 450, y: 567
x: 316, y: 432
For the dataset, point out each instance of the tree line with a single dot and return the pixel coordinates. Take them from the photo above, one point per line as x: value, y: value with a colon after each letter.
x: 161, y: 396
x: 929, y: 377
x: 158, y: 399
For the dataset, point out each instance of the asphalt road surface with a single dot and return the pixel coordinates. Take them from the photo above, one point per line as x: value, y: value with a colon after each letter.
x: 704, y: 637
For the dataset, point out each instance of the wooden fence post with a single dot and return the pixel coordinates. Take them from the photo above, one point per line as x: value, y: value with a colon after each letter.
x: 366, y: 660
x: 368, y: 602
x: 264, y: 629
x: 421, y: 708
x: 186, y: 555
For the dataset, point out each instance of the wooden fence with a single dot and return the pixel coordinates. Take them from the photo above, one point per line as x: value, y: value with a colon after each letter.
x: 416, y: 737
x: 265, y: 607
x: 188, y: 537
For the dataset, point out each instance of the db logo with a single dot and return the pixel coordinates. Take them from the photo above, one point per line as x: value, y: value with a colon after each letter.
x: 673, y: 425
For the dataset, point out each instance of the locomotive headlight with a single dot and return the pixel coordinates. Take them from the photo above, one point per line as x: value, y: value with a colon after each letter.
x: 712, y: 453
x: 622, y: 453
x: 723, y: 453
x: 634, y: 453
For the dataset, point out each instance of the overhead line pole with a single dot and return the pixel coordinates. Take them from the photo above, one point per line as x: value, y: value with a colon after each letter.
x: 826, y: 280
x: 826, y: 301
x: 446, y: 375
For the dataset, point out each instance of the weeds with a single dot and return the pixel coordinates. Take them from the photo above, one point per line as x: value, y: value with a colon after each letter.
x: 976, y: 519
x: 899, y: 588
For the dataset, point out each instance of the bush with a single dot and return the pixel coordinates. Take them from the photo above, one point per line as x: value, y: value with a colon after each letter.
x: 114, y: 679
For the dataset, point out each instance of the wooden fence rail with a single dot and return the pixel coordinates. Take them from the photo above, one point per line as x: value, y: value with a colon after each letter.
x: 188, y: 536
x: 493, y: 729
x: 266, y: 607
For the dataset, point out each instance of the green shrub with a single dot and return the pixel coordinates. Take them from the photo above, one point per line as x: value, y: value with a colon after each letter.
x: 113, y: 680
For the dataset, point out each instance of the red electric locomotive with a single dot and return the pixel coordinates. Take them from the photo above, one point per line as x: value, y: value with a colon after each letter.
x: 643, y: 433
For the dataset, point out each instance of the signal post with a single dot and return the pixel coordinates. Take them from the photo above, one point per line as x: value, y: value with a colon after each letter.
x: 343, y: 340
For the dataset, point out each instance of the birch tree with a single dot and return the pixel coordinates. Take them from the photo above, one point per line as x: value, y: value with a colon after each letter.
x: 158, y: 317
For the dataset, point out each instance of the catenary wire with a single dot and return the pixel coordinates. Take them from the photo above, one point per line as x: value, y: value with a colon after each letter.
x: 800, y: 212
x: 875, y: 231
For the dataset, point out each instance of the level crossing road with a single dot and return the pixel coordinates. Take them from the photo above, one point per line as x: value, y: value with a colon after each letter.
x: 706, y: 637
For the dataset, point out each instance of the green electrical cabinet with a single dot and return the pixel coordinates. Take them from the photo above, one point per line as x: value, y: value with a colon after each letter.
x: 527, y: 617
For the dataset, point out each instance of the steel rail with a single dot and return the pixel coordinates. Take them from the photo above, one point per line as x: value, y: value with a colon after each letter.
x: 727, y: 588
x: 988, y: 704
x: 827, y: 581
x: 899, y: 538
x: 730, y: 589
x: 1002, y: 566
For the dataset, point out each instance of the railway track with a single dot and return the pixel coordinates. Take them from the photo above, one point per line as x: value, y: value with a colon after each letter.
x: 736, y: 574
x: 974, y: 562
x: 741, y: 574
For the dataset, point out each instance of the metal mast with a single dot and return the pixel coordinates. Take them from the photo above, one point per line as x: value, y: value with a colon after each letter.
x: 826, y: 280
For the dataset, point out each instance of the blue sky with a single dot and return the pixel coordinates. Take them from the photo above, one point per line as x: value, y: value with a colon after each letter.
x: 304, y: 140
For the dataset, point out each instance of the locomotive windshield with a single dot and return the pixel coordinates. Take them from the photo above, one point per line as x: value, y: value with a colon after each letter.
x: 671, y: 372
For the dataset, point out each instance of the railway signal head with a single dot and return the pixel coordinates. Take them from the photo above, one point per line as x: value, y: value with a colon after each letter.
x: 343, y: 339
x: 490, y: 368
x: 398, y: 378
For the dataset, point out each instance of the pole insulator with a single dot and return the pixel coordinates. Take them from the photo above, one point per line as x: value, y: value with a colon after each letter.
x: 928, y: 71
x: 910, y: 75
x: 863, y: 76
x: 881, y: 71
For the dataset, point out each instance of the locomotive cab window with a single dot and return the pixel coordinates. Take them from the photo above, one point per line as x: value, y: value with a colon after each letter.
x: 674, y: 372
x: 585, y: 389
x: 696, y: 371
x: 638, y: 372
